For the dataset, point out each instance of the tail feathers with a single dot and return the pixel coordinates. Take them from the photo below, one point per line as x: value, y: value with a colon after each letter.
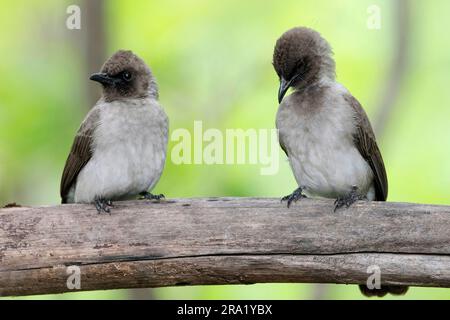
x: 394, y: 290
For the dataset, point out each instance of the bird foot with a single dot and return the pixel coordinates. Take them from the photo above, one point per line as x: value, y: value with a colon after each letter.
x: 103, y: 205
x: 148, y: 196
x: 294, y: 196
x: 348, y: 199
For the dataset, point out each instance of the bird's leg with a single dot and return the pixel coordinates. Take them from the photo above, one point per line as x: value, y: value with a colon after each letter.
x: 348, y: 199
x: 102, y: 205
x: 149, y: 196
x: 294, y: 196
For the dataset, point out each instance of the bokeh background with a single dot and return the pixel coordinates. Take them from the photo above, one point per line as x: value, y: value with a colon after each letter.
x: 212, y: 60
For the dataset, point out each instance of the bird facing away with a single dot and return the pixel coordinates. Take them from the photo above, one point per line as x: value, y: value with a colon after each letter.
x: 120, y: 148
x: 323, y: 129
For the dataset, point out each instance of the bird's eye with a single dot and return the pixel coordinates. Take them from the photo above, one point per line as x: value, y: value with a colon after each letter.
x: 126, y: 76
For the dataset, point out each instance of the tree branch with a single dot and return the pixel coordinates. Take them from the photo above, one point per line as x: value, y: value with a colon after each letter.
x: 222, y: 241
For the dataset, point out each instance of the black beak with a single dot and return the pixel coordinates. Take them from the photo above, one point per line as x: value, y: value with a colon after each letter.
x: 284, y: 87
x: 103, y: 78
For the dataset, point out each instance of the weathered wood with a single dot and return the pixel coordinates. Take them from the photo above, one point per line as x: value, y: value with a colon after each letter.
x: 222, y: 241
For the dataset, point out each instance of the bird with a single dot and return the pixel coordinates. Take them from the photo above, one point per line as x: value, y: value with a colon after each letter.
x: 120, y: 148
x: 324, y: 131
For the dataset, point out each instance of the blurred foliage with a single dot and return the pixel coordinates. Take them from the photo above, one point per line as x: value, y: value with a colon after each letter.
x: 212, y: 60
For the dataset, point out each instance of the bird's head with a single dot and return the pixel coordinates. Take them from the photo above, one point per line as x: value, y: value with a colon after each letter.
x: 301, y: 58
x: 125, y: 75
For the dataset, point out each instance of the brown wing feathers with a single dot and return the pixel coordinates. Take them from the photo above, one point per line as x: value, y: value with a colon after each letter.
x: 80, y: 153
x: 365, y: 141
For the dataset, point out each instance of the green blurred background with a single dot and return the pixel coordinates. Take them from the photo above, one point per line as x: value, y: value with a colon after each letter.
x: 212, y: 60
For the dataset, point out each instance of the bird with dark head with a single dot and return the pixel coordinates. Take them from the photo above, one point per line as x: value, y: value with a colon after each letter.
x: 125, y: 75
x: 301, y: 58
x: 120, y: 148
x: 324, y: 131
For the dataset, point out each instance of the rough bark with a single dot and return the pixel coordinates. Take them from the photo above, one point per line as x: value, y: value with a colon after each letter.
x: 222, y: 241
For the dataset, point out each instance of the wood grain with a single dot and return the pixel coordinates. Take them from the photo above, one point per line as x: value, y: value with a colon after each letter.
x: 222, y: 241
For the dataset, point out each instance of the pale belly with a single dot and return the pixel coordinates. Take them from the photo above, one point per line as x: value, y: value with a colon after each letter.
x: 317, y: 132
x: 129, y: 153
x: 330, y: 171
x: 119, y: 173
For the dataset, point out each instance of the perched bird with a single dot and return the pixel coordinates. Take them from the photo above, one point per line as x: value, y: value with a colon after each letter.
x: 323, y: 129
x: 120, y: 148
